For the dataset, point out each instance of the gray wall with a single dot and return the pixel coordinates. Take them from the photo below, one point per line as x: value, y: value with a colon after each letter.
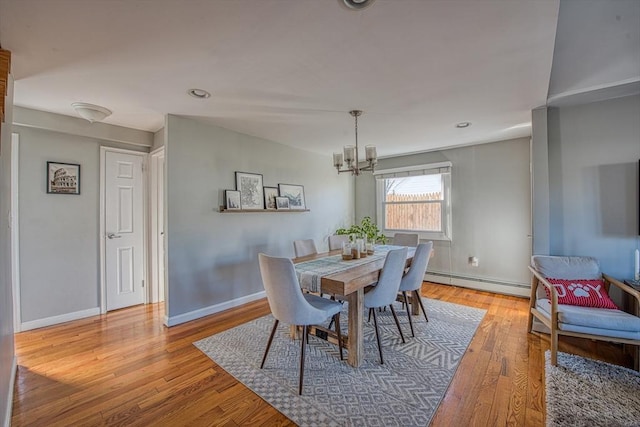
x: 59, y: 245
x: 212, y: 257
x: 593, y: 180
x: 6, y: 296
x: 491, y: 209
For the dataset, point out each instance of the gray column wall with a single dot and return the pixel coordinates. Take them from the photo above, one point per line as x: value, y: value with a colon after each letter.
x: 593, y: 182
x: 7, y: 350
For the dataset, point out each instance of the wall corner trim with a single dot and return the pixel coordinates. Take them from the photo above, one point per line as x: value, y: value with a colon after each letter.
x: 212, y: 309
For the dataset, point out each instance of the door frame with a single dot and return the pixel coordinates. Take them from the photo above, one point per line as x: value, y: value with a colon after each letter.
x: 102, y: 239
x: 155, y: 185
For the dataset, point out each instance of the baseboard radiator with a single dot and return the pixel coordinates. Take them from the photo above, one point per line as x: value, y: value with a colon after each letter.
x: 481, y: 284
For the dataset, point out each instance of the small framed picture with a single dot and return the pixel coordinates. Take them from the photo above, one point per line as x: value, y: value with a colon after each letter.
x: 232, y: 200
x: 270, y: 194
x: 295, y: 194
x: 282, y: 203
x: 63, y: 178
x: 251, y: 192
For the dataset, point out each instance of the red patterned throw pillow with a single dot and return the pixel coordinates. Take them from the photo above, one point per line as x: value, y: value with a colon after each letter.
x: 585, y: 293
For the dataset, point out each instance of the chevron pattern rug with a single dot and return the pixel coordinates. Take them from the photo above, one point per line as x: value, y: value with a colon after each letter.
x: 405, y: 391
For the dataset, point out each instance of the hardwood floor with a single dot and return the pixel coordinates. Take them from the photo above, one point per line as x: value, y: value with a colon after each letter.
x: 126, y: 368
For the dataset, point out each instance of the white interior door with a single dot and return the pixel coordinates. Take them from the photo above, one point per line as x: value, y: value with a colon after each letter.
x: 124, y: 233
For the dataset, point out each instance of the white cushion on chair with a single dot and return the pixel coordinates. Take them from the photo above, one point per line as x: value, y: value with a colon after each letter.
x: 597, y: 321
x: 567, y: 267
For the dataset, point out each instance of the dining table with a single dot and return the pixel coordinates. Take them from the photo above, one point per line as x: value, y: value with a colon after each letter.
x: 346, y: 280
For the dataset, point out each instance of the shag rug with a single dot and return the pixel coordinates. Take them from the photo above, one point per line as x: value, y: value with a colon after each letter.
x: 585, y: 392
x: 405, y: 391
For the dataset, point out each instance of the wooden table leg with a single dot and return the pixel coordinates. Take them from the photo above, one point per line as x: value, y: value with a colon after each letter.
x: 355, y: 344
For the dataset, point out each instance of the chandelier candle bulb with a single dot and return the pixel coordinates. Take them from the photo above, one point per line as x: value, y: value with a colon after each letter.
x: 370, y: 151
x: 337, y: 160
x: 349, y: 153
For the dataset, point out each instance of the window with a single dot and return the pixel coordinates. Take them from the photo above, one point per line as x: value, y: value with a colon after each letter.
x: 415, y: 199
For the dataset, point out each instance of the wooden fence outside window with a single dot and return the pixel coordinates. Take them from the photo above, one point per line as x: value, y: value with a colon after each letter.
x: 414, y: 212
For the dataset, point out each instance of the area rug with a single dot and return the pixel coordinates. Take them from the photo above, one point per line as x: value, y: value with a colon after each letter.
x: 405, y: 391
x: 585, y: 392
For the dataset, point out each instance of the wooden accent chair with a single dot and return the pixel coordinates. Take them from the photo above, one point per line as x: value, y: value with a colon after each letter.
x: 289, y: 305
x: 304, y: 247
x: 336, y: 241
x: 412, y: 280
x: 384, y: 292
x: 576, y: 321
x: 405, y: 239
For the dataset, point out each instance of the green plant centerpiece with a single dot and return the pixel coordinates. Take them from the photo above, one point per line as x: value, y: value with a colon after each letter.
x: 367, y: 228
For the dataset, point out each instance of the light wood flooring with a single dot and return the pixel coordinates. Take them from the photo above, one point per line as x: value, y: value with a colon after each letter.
x: 125, y: 368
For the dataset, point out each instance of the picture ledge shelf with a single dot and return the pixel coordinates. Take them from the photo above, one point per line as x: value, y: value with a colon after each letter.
x: 224, y: 210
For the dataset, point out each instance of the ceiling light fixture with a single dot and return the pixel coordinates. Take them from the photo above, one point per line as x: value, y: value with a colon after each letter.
x: 351, y: 154
x: 199, y: 93
x: 90, y: 112
x: 356, y: 4
x: 463, y: 125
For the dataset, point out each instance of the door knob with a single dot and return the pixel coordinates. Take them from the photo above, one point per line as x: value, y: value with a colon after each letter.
x: 113, y: 236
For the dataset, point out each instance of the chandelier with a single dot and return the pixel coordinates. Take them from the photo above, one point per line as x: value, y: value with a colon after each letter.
x: 351, y: 154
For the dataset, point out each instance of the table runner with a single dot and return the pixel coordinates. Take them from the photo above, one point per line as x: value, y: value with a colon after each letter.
x: 311, y: 272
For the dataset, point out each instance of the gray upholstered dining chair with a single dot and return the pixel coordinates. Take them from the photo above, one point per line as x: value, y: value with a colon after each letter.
x: 412, y: 280
x: 405, y: 239
x: 384, y: 292
x: 289, y: 305
x: 336, y: 241
x: 304, y: 247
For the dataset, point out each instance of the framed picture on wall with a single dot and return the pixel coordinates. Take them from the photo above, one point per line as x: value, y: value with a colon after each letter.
x: 270, y: 194
x: 63, y: 178
x: 295, y: 194
x: 232, y: 200
x: 282, y: 203
x: 251, y: 192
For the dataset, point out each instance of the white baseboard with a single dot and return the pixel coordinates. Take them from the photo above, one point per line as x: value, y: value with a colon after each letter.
x: 54, y: 320
x: 506, y: 288
x: 206, y: 311
x: 12, y: 381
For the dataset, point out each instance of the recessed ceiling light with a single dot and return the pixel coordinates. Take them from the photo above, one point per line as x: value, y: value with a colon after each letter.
x: 199, y: 93
x: 357, y: 4
x: 463, y: 125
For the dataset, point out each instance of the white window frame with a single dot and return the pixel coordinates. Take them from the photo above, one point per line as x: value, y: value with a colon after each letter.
x: 443, y: 168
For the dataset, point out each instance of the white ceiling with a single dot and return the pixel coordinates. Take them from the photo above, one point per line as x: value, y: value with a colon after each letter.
x: 290, y: 70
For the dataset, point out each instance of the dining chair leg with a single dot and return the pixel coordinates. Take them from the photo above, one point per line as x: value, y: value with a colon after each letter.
x: 406, y: 302
x: 273, y: 332
x: 421, y: 305
x: 370, y: 311
x: 395, y: 317
x: 375, y: 323
x: 336, y: 317
x: 304, y: 338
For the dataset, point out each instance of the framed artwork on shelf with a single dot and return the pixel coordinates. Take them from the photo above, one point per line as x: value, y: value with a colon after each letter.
x: 232, y: 200
x: 251, y: 192
x: 63, y: 178
x: 295, y: 194
x: 282, y: 203
x: 270, y: 194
